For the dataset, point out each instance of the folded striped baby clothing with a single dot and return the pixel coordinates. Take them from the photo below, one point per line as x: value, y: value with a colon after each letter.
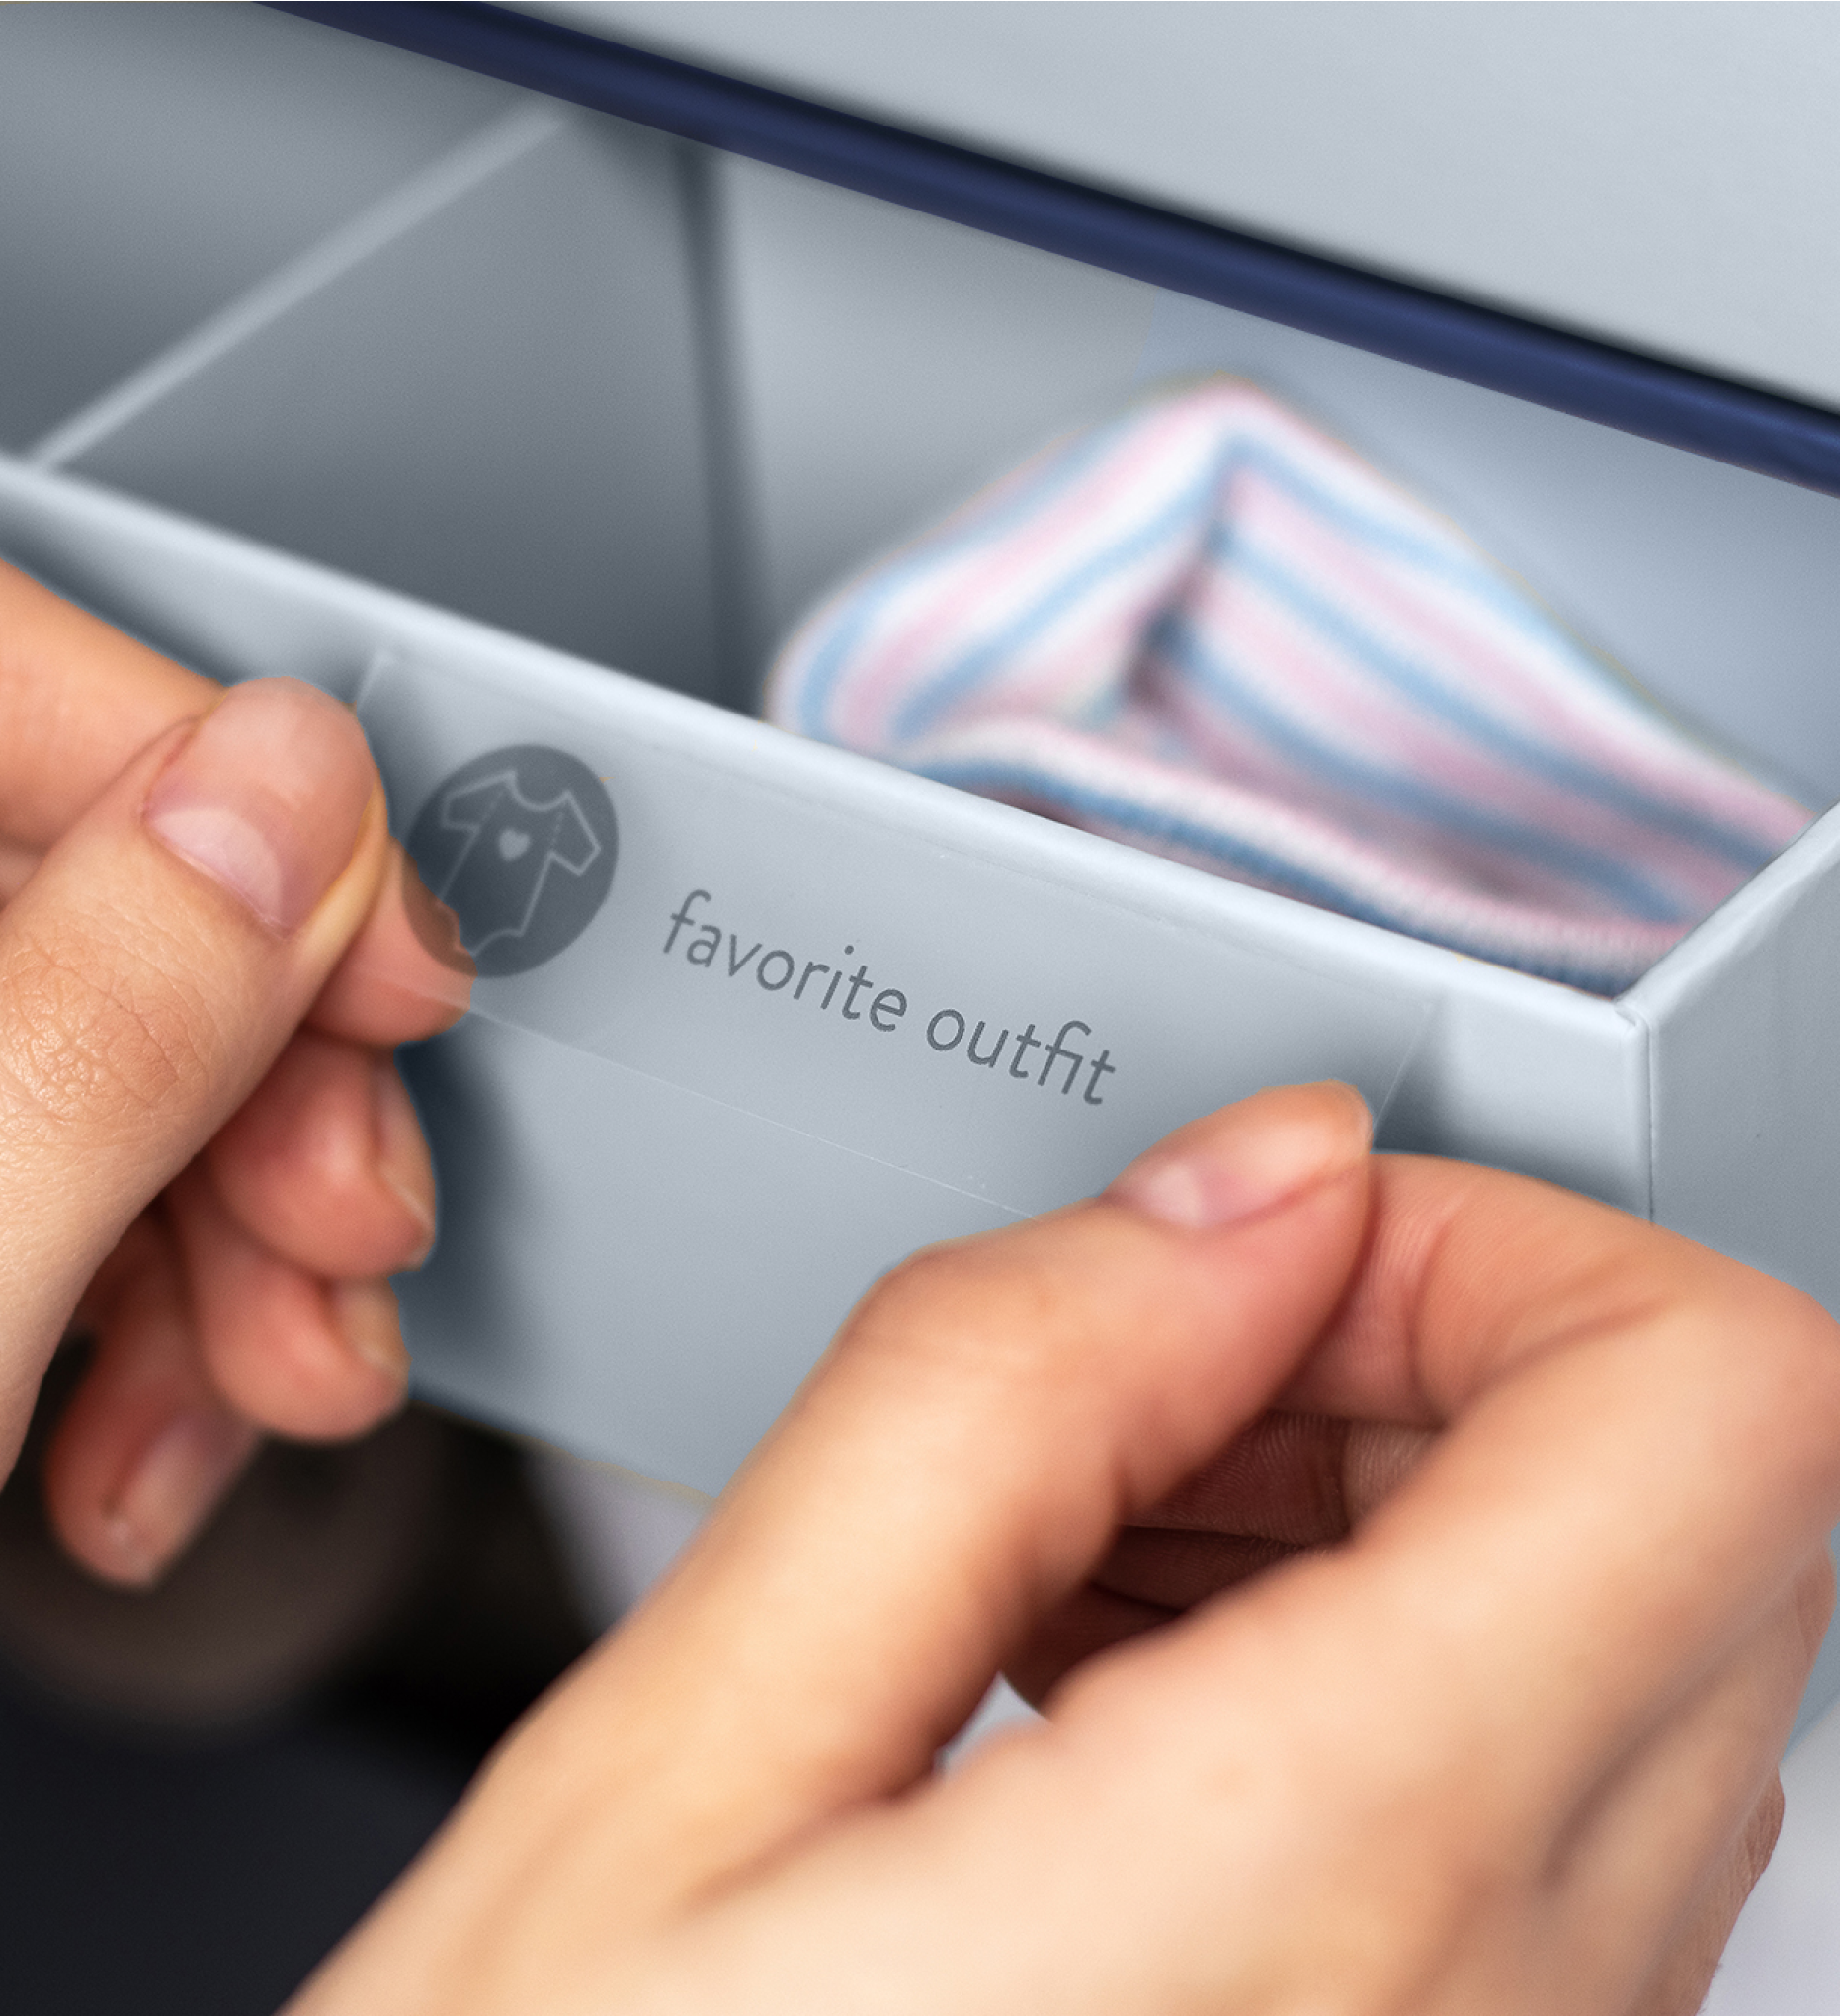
x: 1207, y: 629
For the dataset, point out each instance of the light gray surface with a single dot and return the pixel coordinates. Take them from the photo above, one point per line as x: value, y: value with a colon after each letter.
x: 501, y: 408
x: 1746, y: 1070
x: 1662, y: 175
x: 1746, y: 1085
x: 886, y: 364
x: 679, y: 1263
x: 155, y: 161
x: 1744, y: 1080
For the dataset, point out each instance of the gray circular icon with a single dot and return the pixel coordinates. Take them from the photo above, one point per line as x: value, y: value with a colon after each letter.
x: 519, y: 844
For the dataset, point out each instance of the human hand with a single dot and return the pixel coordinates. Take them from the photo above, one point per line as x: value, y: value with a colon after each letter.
x: 1503, y: 1739
x: 218, y: 1190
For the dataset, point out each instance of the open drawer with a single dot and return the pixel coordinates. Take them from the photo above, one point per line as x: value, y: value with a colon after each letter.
x: 568, y: 392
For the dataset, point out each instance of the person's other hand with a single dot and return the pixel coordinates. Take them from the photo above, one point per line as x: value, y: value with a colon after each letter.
x: 1503, y: 1738
x: 218, y: 1191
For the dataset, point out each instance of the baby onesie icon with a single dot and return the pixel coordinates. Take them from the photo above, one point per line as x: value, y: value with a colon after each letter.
x: 519, y: 844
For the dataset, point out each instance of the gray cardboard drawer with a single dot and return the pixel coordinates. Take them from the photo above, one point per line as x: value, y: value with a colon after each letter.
x: 569, y: 394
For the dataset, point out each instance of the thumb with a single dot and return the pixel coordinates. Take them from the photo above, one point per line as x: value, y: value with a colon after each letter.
x: 150, y: 971
x: 989, y: 1414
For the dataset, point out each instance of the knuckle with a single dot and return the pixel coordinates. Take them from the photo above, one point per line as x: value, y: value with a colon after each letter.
x: 1797, y: 1351
x: 980, y: 1299
x: 1761, y: 1834
x: 88, y: 1036
x: 1814, y: 1600
x: 912, y: 1295
x: 922, y: 1279
x: 1778, y: 1372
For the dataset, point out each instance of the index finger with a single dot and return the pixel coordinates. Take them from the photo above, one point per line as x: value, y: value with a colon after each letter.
x: 78, y: 699
x: 1641, y: 1455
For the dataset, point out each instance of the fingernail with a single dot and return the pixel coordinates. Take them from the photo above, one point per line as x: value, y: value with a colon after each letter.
x: 368, y: 1320
x: 267, y: 796
x: 173, y: 1489
x: 1248, y: 1158
x: 402, y: 1161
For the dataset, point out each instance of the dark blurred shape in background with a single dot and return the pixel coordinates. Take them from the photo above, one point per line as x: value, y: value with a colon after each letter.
x: 203, y: 1786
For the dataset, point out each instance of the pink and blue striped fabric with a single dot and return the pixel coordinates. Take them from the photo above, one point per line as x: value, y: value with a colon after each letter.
x: 1207, y: 629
